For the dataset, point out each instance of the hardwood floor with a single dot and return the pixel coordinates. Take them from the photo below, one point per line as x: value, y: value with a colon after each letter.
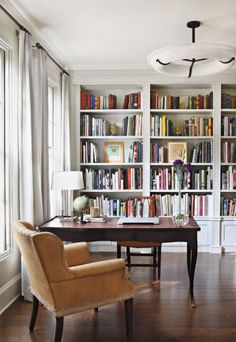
x: 162, y: 311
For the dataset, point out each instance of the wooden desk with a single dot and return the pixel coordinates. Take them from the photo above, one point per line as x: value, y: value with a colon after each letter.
x: 166, y: 231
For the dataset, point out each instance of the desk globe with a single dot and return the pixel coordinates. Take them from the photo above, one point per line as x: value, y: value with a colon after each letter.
x: 80, y: 204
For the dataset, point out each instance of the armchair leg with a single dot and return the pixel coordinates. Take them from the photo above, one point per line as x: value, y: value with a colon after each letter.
x: 34, y: 313
x: 59, y: 329
x: 129, y: 317
x: 159, y: 262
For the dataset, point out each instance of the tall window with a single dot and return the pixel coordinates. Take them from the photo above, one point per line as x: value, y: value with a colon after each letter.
x: 53, y: 98
x: 4, y: 155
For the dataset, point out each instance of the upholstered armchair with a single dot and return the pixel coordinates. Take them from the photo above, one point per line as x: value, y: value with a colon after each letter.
x: 64, y: 279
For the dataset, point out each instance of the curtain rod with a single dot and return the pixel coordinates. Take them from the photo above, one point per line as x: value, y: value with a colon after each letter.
x: 21, y: 27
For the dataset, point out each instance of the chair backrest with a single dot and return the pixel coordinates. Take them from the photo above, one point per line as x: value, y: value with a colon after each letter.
x: 43, y: 256
x: 135, y: 206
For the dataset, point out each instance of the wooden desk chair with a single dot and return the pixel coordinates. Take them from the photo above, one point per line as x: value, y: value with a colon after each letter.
x: 135, y: 206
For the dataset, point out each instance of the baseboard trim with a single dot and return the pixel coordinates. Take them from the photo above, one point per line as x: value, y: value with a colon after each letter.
x: 9, y: 292
x: 216, y: 249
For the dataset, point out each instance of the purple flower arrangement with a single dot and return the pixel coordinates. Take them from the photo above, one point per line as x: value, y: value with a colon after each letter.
x: 181, y: 168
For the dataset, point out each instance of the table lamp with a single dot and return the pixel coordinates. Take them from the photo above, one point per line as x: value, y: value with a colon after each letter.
x: 67, y: 181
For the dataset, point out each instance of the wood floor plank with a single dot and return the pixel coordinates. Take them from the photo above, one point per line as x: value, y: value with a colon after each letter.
x: 162, y: 310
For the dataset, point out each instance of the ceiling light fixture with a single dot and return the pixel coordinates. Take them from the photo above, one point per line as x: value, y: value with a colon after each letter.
x: 195, y: 59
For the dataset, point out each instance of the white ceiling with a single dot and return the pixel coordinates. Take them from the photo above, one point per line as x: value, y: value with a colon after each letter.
x: 100, y: 34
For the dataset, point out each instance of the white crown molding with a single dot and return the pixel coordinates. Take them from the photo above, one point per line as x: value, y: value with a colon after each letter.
x: 77, y: 66
x: 25, y: 20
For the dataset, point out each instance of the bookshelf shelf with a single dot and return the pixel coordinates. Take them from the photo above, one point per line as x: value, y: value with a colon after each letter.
x: 111, y: 164
x: 193, y: 164
x: 112, y: 137
x: 173, y: 137
x: 183, y: 191
x: 112, y: 111
x: 182, y: 111
x: 128, y: 191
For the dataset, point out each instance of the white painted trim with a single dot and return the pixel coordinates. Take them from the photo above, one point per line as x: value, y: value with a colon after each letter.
x: 216, y: 249
x: 16, y: 11
x: 9, y: 304
x: 11, y: 283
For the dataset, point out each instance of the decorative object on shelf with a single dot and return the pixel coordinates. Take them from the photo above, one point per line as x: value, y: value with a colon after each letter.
x: 180, y: 212
x: 114, y: 129
x: 195, y: 59
x: 114, y: 152
x: 177, y: 150
x: 178, y: 131
x: 67, y: 181
x: 80, y: 204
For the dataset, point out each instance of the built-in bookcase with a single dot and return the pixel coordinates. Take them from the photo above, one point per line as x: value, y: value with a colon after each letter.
x: 182, y: 116
x: 200, y: 115
x: 111, y: 145
x: 228, y: 150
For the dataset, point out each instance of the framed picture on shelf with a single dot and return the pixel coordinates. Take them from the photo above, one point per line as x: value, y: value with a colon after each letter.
x: 114, y: 152
x: 177, y: 150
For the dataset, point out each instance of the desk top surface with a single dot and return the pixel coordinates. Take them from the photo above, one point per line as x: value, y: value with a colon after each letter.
x: 165, y: 224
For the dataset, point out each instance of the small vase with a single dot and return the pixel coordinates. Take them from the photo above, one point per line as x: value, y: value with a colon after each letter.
x: 180, y: 213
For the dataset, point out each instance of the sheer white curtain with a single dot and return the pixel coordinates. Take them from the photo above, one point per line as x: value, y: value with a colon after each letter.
x: 33, y: 137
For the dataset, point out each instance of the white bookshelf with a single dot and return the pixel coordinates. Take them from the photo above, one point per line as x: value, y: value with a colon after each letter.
x: 217, y: 230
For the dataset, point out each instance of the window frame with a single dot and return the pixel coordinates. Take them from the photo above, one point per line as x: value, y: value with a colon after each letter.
x: 56, y: 129
x: 7, y: 148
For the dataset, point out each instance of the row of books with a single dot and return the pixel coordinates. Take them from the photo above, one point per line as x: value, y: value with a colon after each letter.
x: 228, y: 206
x: 135, y: 152
x: 181, y: 102
x: 195, y: 126
x: 92, y: 126
x: 164, y: 205
x: 198, y: 126
x: 88, y: 152
x: 142, y: 207
x: 228, y: 101
x: 167, y: 179
x: 200, y: 153
x: 113, y: 179
x: 228, y: 126
x: 161, y: 126
x: 133, y: 101
x: 228, y: 179
x: 132, y: 125
x: 228, y: 152
x: 111, y: 207
x: 195, y: 205
x: 88, y: 101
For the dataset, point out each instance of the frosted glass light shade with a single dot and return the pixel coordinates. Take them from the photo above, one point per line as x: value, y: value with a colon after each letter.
x: 67, y: 180
x: 175, y: 55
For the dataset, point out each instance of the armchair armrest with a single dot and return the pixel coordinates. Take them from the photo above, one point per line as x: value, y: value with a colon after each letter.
x: 77, y: 254
x: 98, y: 268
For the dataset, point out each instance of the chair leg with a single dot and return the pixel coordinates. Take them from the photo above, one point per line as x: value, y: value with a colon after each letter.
x: 96, y: 309
x: 159, y: 262
x: 128, y: 255
x: 59, y: 329
x: 118, y: 251
x: 34, y: 313
x: 129, y: 317
x: 154, y: 253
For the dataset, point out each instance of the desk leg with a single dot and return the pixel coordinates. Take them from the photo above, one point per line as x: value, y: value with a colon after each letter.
x: 191, y: 264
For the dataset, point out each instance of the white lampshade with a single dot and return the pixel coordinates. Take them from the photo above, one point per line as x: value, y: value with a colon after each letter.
x: 67, y: 180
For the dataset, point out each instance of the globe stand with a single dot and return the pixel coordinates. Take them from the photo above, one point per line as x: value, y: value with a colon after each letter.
x: 81, y: 219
